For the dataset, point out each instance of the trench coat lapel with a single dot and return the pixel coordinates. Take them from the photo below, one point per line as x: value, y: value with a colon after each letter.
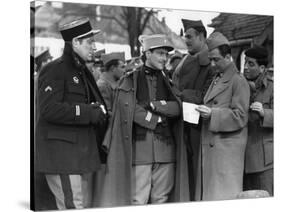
x: 221, y: 84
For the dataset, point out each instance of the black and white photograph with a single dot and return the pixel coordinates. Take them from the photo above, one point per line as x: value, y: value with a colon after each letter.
x: 140, y: 106
x: 129, y: 110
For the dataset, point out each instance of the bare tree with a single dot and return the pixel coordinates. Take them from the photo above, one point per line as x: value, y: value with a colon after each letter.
x: 135, y: 20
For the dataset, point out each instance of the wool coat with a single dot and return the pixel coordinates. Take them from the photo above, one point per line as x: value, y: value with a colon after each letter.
x: 66, y: 141
x: 116, y: 188
x: 224, y: 137
x: 193, y: 77
x: 259, y: 150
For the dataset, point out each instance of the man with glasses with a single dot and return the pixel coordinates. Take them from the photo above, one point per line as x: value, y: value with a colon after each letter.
x: 224, y: 128
x: 192, y: 77
x: 71, y: 119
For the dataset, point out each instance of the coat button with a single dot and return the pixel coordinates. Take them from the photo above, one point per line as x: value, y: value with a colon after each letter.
x: 125, y: 121
x: 215, y: 102
x: 127, y: 137
x: 211, y: 145
x: 126, y: 104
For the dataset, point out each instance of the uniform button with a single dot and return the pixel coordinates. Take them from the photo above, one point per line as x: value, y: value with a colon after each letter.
x: 127, y: 137
x: 125, y: 121
x: 215, y: 102
x: 211, y: 145
x: 126, y: 104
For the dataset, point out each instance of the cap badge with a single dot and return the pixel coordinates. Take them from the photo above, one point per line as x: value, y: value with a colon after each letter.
x: 75, y: 80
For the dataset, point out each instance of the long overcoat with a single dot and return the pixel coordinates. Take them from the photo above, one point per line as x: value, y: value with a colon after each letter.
x: 193, y: 77
x: 116, y: 188
x: 224, y: 137
x: 259, y: 150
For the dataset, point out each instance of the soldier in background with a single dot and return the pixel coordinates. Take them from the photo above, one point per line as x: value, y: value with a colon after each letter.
x: 42, y: 59
x: 259, y: 150
x: 114, y: 69
x: 192, y: 77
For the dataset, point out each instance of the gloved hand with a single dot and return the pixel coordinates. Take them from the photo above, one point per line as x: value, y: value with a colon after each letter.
x: 98, y: 114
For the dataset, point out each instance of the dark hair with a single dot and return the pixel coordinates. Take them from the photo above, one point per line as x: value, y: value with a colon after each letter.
x: 108, y: 65
x: 200, y: 29
x: 262, y: 61
x: 224, y: 49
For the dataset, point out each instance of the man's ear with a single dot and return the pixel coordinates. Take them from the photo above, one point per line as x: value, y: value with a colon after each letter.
x: 262, y: 68
x: 75, y: 42
x: 201, y: 36
x: 148, y: 54
x: 228, y: 57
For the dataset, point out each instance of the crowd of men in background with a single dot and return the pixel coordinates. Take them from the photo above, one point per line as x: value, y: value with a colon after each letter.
x: 110, y: 132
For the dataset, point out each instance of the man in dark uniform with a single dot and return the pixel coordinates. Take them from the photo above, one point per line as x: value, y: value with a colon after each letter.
x: 259, y: 150
x: 192, y: 77
x: 71, y: 119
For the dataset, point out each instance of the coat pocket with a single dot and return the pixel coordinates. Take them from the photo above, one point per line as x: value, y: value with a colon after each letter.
x: 268, y: 151
x: 70, y: 137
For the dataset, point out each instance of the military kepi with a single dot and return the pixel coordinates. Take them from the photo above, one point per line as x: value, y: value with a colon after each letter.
x: 77, y: 29
x: 149, y: 42
x: 215, y: 40
x: 191, y: 24
x: 257, y: 52
x: 113, y: 56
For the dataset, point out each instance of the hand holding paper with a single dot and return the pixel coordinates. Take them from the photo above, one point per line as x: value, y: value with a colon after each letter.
x: 204, y: 111
x: 190, y: 114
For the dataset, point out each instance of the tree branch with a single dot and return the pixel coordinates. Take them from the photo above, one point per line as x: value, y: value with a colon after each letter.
x: 146, y: 19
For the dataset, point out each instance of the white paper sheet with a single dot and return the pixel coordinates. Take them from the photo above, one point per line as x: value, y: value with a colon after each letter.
x: 189, y: 113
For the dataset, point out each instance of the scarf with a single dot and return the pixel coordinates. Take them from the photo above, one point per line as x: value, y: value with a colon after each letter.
x: 163, y: 130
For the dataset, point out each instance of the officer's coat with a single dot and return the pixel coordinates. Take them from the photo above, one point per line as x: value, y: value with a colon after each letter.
x: 224, y: 137
x: 65, y: 140
x: 116, y: 190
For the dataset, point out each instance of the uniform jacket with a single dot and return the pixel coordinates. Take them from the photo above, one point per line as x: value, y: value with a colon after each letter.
x: 107, y: 89
x: 66, y: 141
x: 224, y: 137
x: 259, y: 150
x: 116, y: 189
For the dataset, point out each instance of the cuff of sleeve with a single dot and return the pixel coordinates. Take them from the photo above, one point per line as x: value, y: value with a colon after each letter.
x: 268, y: 118
x: 214, y: 120
x: 151, y: 120
x: 82, y: 113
